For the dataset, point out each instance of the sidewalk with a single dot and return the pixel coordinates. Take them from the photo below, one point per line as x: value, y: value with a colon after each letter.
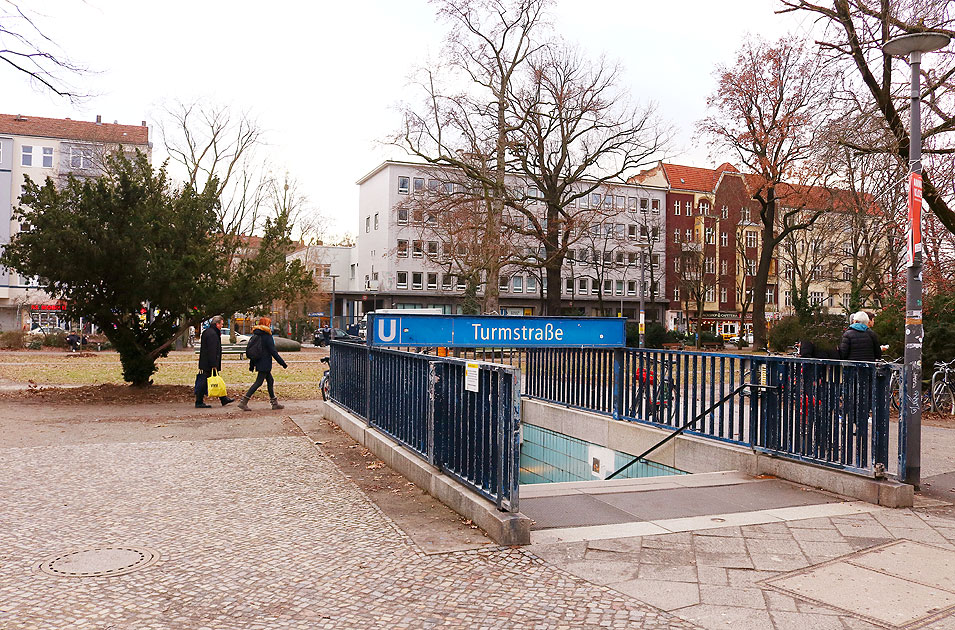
x: 253, y: 525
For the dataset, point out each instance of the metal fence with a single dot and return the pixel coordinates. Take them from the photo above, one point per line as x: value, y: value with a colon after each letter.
x: 421, y: 401
x: 834, y: 413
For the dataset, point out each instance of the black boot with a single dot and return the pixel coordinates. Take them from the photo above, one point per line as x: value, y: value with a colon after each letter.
x: 225, y: 400
x: 201, y: 405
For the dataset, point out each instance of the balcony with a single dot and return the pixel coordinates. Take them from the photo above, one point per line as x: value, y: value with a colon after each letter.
x: 691, y: 246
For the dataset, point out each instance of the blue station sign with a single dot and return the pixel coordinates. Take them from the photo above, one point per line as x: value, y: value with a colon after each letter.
x: 495, y: 331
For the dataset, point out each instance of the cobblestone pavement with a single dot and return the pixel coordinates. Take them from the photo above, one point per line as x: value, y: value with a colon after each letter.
x: 262, y: 533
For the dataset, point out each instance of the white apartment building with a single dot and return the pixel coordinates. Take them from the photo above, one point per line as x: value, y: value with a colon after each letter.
x: 41, y: 148
x: 397, y: 264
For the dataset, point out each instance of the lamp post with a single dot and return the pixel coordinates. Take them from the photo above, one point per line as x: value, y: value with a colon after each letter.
x: 910, y: 443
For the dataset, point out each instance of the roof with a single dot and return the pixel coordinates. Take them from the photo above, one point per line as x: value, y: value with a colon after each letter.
x: 694, y: 178
x: 67, y: 129
x: 813, y: 197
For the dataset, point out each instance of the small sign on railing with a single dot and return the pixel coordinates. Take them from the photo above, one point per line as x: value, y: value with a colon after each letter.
x: 471, y: 372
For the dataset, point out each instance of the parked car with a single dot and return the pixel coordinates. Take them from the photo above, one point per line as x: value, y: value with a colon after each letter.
x: 46, y: 330
x: 337, y: 334
x: 748, y: 338
x: 239, y: 338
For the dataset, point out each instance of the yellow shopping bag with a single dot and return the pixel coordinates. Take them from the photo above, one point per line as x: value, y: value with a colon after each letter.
x: 216, y: 385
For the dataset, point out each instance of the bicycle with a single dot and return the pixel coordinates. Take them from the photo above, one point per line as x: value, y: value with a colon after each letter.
x: 943, y: 387
x: 895, y: 388
x: 661, y: 393
x: 323, y: 385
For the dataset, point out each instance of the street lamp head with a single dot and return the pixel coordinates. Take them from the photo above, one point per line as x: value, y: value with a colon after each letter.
x: 904, y: 45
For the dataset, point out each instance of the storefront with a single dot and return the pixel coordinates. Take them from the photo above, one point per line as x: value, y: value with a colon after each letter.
x: 51, y: 315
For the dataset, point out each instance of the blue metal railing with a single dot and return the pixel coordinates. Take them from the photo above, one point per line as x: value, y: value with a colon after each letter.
x: 421, y: 401
x: 834, y: 413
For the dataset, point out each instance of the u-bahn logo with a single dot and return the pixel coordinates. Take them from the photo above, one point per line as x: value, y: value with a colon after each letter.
x: 392, y: 331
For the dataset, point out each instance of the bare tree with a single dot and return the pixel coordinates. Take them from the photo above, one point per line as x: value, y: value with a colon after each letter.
x: 469, y: 128
x: 576, y: 134
x: 692, y: 281
x: 855, y: 32
x: 770, y: 108
x: 27, y: 49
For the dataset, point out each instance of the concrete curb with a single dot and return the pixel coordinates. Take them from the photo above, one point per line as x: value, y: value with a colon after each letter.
x: 699, y: 455
x: 502, y: 527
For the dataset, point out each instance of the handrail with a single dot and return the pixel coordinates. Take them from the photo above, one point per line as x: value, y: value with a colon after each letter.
x: 690, y: 423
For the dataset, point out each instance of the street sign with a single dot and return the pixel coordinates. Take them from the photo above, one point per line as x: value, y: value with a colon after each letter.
x: 495, y: 331
x: 915, y: 219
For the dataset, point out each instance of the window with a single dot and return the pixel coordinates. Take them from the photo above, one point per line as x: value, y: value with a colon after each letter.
x: 655, y: 206
x: 750, y: 267
x: 619, y: 287
x: 724, y: 239
x: 608, y: 287
x: 608, y: 201
x: 533, y: 195
x: 845, y: 300
x: 402, y: 280
x: 517, y: 284
x: 632, y: 232
x: 582, y: 286
x: 722, y: 294
x: 584, y: 201
x: 402, y: 249
x: 402, y: 216
x: 502, y: 284
x: 688, y: 206
x: 632, y: 204
x: 446, y: 280
x: 655, y: 233
x: 47, y: 157
x: 654, y: 261
x: 846, y: 272
x: 433, y: 185
x: 460, y: 284
x: 788, y: 295
x: 710, y: 265
x: 418, y: 185
x: 710, y: 295
x: 704, y: 208
x: 416, y: 278
x: 376, y: 220
x: 632, y: 258
x: 416, y: 251
x: 746, y: 216
x: 81, y: 158
x: 432, y: 281
x: 676, y: 294
x: 676, y: 265
x: 608, y: 230
x: 26, y: 155
x: 676, y: 210
x: 770, y: 295
x: 723, y: 267
x: 631, y: 287
x: 595, y: 200
x: 367, y: 224
x: 569, y: 285
x: 676, y: 235
x: 582, y: 255
x: 404, y: 185
x: 710, y: 234
x: 751, y: 239
x: 608, y: 257
x: 531, y: 284
x: 644, y: 204
x: 417, y: 217
x: 688, y: 235
x: 725, y: 212
x: 619, y: 258
x: 432, y: 249
x: 621, y: 202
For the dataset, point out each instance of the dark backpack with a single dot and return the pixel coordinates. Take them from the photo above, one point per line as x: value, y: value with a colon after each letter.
x: 254, y: 350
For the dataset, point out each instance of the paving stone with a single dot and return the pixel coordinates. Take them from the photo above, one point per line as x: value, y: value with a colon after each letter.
x: 722, y: 532
x: 672, y: 573
x: 779, y: 602
x: 683, y: 555
x: 261, y: 534
x: 732, y: 596
x: 778, y: 562
x: 795, y: 621
x: 665, y: 595
x: 825, y: 550
x: 720, y: 545
x: 619, y: 545
x: 720, y: 617
x: 829, y: 534
x: 712, y: 575
x: 726, y: 560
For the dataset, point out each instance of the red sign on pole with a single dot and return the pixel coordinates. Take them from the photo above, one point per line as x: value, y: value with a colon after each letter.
x: 915, y: 218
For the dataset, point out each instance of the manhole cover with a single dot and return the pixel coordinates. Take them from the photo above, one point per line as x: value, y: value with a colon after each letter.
x: 101, y: 561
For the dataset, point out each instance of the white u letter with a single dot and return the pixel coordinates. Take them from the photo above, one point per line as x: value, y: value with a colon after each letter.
x: 381, y: 329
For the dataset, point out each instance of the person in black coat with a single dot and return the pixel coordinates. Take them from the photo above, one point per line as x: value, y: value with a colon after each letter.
x: 210, y: 358
x: 859, y: 343
x: 263, y: 364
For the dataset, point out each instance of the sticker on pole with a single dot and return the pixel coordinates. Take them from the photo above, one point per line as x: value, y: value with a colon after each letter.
x: 471, y: 372
x: 915, y: 220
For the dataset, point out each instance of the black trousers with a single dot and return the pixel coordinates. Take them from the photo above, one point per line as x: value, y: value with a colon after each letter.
x: 269, y: 381
x: 201, y: 392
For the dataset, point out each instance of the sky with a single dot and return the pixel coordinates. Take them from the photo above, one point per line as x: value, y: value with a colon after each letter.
x: 324, y: 79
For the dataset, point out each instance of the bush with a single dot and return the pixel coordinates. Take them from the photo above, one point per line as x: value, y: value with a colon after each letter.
x: 35, y: 343
x: 825, y: 331
x: 784, y: 333
x: 55, y: 340
x: 13, y: 340
x: 286, y: 345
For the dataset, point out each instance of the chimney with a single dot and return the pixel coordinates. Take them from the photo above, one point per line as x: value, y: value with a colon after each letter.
x: 99, y: 119
x: 144, y: 124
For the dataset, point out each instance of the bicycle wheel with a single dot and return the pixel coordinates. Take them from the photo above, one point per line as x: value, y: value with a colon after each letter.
x: 943, y: 399
x: 323, y: 386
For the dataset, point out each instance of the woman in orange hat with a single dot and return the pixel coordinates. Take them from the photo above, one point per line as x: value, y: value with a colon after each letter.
x: 260, y: 351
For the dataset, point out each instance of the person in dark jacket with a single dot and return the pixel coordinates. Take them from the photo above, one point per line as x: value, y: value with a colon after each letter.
x: 263, y: 364
x: 859, y: 343
x: 210, y: 358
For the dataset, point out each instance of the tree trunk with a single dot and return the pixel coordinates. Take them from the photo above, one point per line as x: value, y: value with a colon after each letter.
x: 552, y: 304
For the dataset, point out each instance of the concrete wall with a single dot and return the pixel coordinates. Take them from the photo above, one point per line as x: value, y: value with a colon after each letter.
x: 701, y: 455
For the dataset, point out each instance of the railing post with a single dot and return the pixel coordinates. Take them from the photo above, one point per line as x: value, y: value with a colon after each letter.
x: 368, y: 367
x: 880, y: 421
x: 617, y: 403
x: 433, y: 380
